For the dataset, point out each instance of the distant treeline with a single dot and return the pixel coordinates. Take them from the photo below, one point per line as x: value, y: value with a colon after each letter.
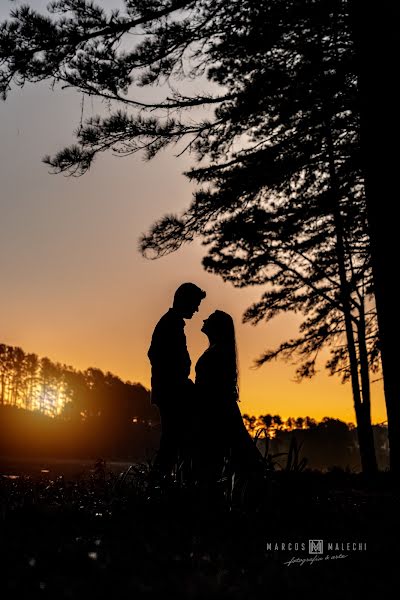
x: 327, y: 443
x: 39, y: 384
x: 52, y: 409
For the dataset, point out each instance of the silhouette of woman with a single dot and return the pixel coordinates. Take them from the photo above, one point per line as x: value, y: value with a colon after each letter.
x: 222, y: 438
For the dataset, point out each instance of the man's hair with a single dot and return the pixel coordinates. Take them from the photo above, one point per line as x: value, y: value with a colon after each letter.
x: 188, y: 291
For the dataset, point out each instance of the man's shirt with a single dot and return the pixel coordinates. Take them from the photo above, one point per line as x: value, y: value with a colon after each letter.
x: 169, y: 357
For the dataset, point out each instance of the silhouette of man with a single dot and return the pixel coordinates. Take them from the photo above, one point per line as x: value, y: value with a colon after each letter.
x: 171, y: 388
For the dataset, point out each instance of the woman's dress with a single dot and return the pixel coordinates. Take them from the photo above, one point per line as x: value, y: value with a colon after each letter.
x: 222, y: 440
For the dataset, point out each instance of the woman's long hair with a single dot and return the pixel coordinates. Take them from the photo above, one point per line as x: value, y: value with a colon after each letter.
x: 225, y: 341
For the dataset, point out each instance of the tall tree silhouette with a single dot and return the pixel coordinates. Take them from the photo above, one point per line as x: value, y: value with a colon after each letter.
x: 31, y: 381
x: 376, y: 37
x: 288, y: 98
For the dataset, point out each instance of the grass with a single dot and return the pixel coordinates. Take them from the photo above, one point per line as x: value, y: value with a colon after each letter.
x: 107, y: 534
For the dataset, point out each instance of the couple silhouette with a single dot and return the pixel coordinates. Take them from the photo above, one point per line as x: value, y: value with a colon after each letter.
x: 201, y: 424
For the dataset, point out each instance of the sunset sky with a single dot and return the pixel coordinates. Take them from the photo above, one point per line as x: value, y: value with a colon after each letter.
x: 74, y: 286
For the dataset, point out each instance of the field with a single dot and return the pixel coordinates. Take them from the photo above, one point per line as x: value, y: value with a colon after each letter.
x: 75, y: 530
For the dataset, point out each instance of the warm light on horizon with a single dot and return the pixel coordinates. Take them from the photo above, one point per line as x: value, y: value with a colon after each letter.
x: 253, y: 401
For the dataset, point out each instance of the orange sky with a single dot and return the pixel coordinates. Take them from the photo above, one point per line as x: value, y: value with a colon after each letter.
x: 75, y: 288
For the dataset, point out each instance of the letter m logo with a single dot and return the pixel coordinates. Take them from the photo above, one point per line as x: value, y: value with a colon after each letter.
x: 315, y: 546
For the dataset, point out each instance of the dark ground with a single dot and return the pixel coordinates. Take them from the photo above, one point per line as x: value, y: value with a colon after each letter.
x: 92, y: 532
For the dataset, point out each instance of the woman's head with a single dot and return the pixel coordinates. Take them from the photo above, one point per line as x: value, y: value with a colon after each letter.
x: 219, y: 328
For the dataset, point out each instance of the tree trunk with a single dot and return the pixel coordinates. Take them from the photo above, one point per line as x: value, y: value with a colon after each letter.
x: 2, y: 389
x: 376, y: 39
x: 366, y: 393
x: 367, y: 452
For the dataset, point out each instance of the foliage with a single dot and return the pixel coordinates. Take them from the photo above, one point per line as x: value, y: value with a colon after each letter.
x: 69, y: 537
x: 34, y: 383
x: 315, y: 444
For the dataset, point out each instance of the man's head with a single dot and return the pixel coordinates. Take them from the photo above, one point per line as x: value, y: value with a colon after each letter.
x: 187, y: 299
